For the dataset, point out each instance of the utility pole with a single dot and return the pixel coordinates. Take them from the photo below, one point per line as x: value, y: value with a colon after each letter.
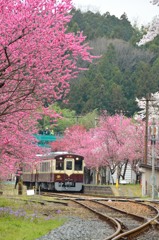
x: 148, y: 99
x: 154, y: 137
x: 146, y: 128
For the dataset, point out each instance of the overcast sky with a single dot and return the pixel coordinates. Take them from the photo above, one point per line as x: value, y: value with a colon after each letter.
x: 140, y: 11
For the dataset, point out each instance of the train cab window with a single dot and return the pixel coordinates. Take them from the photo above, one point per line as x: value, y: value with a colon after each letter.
x: 78, y: 165
x: 69, y: 165
x: 59, y: 165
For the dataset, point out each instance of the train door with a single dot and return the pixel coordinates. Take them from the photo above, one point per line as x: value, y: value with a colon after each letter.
x: 69, y: 166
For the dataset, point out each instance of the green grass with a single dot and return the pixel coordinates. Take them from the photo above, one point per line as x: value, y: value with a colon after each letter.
x: 20, y: 229
x: 20, y: 224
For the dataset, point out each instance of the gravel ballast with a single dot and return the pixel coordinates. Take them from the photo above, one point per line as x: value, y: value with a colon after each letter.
x: 77, y: 228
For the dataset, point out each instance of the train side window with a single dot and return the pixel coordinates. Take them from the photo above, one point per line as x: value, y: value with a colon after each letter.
x: 78, y: 165
x: 69, y: 165
x: 45, y: 167
x: 59, y: 165
x: 48, y: 167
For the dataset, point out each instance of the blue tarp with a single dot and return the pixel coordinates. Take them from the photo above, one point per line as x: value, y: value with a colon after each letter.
x: 44, y: 140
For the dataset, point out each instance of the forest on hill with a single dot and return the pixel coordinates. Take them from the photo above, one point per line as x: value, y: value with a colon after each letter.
x: 123, y: 72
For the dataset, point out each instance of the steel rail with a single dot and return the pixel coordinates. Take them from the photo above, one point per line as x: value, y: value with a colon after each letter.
x: 122, y: 211
x: 135, y: 230
x: 138, y: 229
x: 103, y: 217
x: 119, y: 232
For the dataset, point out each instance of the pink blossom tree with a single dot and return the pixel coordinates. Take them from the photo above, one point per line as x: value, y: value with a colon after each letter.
x: 72, y: 140
x: 153, y: 30
x: 122, y: 142
x: 38, y: 57
x: 80, y: 141
x: 116, y: 142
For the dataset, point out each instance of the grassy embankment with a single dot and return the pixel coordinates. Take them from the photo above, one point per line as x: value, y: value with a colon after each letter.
x: 22, y: 220
x: 128, y: 190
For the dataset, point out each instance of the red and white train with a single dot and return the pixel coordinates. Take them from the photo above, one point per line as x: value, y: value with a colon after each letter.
x: 56, y: 172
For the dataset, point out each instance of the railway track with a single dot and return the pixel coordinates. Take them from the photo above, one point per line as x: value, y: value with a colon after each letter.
x: 156, y: 205
x: 146, y: 228
x: 129, y: 224
x: 124, y: 219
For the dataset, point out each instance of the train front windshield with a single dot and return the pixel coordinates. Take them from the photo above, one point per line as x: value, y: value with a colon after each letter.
x: 69, y: 163
x: 59, y: 165
x: 78, y: 165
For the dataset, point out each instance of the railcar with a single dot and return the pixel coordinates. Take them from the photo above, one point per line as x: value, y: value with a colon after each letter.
x: 56, y: 172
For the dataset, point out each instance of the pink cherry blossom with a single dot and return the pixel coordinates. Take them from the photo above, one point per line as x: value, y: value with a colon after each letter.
x: 38, y: 58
